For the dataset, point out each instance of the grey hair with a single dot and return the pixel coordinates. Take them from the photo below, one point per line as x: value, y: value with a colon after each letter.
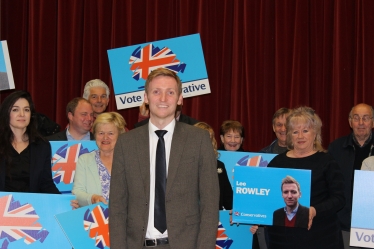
x: 94, y: 83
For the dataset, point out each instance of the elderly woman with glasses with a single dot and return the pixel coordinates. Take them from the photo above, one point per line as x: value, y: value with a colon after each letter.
x: 327, y: 186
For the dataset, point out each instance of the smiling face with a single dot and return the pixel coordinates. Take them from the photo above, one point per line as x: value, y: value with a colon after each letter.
x: 162, y: 96
x: 98, y: 99
x: 81, y: 120
x: 106, y: 136
x: 291, y: 195
x: 20, y: 115
x: 279, y: 128
x: 232, y: 140
x: 303, y: 138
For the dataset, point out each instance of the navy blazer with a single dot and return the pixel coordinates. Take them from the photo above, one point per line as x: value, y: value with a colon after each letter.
x: 40, y: 169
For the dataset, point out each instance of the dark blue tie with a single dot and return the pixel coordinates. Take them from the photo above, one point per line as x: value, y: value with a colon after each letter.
x: 160, y: 185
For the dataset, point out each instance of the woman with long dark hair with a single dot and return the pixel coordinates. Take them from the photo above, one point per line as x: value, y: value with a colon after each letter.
x: 25, y: 157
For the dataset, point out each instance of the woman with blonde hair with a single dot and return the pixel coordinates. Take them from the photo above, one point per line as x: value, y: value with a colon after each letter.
x: 327, y: 186
x: 93, y: 171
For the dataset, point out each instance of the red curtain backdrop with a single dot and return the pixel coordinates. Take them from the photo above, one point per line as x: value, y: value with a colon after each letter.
x: 260, y: 54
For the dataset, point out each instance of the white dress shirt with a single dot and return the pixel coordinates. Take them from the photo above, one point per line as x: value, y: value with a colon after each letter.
x: 152, y: 232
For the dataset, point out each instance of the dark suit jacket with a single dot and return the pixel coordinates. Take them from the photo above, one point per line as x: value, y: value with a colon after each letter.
x: 182, y: 118
x: 40, y: 169
x: 302, y: 217
x: 226, y: 195
x: 61, y: 136
x: 192, y: 191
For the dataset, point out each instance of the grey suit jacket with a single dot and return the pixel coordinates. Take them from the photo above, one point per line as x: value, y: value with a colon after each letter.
x: 192, y: 190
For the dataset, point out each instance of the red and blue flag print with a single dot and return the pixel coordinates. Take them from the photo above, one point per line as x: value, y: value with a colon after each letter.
x: 145, y: 60
x: 96, y: 223
x: 222, y: 241
x: 64, y: 162
x: 19, y: 221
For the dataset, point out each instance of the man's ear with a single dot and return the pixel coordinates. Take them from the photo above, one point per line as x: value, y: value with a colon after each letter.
x: 180, y: 100
x: 70, y: 115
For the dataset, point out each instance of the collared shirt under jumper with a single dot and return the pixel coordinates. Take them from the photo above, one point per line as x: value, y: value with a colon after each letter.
x: 152, y: 232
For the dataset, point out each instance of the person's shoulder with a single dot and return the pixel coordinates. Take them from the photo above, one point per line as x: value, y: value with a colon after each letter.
x: 339, y: 142
x: 134, y: 133
x: 324, y: 156
x: 87, y: 159
x: 88, y: 155
x: 192, y: 131
x: 187, y: 119
x: 369, y: 160
x: 279, y: 211
x: 303, y: 208
x: 59, y: 136
x: 269, y: 148
x: 278, y: 158
x: 141, y: 123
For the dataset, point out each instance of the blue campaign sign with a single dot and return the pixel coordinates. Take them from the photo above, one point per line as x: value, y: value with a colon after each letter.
x: 65, y: 156
x: 257, y: 193
x: 86, y: 227
x: 234, y: 158
x: 27, y: 220
x: 232, y: 236
x: 131, y: 65
x: 362, y: 226
x: 6, y: 74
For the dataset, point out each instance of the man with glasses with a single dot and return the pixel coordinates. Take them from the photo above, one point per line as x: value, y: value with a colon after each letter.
x: 349, y: 151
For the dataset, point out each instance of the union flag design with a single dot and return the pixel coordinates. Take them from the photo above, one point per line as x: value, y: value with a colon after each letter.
x: 96, y: 223
x: 64, y: 162
x: 256, y: 161
x: 19, y: 222
x: 145, y: 60
x: 222, y: 241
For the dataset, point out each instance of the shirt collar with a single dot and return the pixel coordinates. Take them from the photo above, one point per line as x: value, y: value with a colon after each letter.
x: 293, y: 211
x: 170, y: 127
x: 70, y: 137
x: 366, y: 142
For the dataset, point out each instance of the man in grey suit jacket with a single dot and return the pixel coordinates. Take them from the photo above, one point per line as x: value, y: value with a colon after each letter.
x: 192, y: 190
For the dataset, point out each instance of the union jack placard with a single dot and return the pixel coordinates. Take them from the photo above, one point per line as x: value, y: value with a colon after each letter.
x: 65, y: 156
x: 27, y: 220
x: 130, y: 67
x: 86, y: 227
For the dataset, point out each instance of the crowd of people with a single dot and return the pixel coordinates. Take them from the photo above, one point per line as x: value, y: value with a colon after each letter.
x: 164, y: 179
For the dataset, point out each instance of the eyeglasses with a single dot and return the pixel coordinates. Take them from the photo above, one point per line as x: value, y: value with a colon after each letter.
x: 357, y: 118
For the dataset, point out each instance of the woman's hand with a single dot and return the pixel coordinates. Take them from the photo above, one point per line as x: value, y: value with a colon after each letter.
x: 312, y: 214
x: 253, y: 229
x: 74, y: 204
x: 98, y: 198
